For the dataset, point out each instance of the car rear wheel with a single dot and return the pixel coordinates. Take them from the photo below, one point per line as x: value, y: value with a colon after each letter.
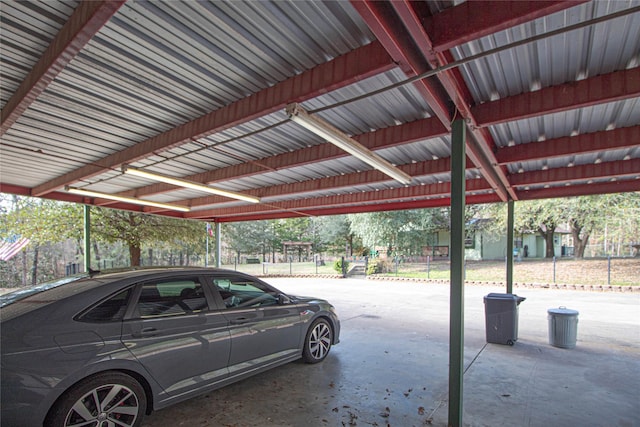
x: 104, y: 400
x: 318, y: 341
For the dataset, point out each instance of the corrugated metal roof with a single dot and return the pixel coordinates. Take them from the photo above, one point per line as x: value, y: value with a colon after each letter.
x: 575, y: 55
x: 156, y: 68
x: 580, y: 121
x: 27, y: 30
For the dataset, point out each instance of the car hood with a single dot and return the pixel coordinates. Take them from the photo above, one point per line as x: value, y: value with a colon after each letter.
x: 308, y: 300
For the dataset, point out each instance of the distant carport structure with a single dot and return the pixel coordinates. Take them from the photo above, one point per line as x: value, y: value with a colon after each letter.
x: 154, y: 106
x: 289, y: 245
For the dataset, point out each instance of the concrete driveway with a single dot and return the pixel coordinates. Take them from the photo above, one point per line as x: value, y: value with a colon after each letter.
x: 391, y: 368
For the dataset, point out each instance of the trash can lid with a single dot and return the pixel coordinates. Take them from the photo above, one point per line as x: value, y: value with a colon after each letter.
x: 563, y: 311
x: 495, y: 296
x: 501, y: 296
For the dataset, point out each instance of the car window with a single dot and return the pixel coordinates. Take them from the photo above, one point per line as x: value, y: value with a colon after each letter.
x: 244, y: 293
x: 110, y: 310
x: 171, y: 298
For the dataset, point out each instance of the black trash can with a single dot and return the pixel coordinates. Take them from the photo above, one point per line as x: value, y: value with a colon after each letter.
x: 501, y: 317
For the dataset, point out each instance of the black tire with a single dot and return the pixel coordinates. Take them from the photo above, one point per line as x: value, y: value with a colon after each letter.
x: 317, y: 342
x: 119, y: 397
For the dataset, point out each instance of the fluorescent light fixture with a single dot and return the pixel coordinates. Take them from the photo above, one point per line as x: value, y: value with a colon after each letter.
x: 90, y: 193
x: 189, y: 184
x: 343, y: 141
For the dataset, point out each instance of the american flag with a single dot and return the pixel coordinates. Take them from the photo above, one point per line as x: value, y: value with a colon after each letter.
x: 10, y: 249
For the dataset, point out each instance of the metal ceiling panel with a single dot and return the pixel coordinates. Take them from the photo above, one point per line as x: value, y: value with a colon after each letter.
x: 154, y: 82
x: 27, y: 29
x: 389, y: 108
x: 576, y: 55
x: 613, y: 115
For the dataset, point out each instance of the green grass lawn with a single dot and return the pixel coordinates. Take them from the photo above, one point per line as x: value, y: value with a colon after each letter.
x: 624, y: 271
x: 283, y: 268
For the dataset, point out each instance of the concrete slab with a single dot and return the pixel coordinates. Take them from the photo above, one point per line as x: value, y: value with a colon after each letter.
x: 391, y: 368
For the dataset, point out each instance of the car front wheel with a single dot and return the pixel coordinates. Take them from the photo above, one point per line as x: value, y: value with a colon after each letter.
x: 106, y: 399
x: 318, y: 341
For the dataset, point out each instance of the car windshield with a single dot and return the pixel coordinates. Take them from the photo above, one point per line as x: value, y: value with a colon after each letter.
x: 11, y: 297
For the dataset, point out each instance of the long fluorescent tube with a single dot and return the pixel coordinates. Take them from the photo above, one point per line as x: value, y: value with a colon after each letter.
x: 343, y: 141
x: 89, y: 193
x: 188, y: 184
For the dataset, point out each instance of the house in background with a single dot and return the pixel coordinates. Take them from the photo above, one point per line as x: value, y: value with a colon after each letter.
x: 481, y: 245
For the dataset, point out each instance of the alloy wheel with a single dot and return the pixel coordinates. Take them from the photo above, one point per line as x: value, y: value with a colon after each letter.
x: 108, y: 405
x: 320, y: 341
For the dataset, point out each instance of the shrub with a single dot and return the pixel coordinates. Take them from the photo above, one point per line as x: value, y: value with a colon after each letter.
x: 337, y: 266
x: 377, y: 266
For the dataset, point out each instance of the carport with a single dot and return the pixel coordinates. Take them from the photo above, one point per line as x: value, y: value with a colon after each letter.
x: 285, y: 109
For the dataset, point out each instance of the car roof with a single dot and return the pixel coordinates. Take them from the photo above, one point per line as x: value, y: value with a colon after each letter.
x: 41, y: 295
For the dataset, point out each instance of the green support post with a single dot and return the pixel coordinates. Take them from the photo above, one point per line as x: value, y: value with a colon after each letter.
x: 218, y: 245
x: 87, y: 238
x: 456, y: 253
x: 510, y: 216
x: 206, y: 249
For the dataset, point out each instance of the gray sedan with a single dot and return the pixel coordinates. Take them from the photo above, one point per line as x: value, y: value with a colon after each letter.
x: 105, y: 349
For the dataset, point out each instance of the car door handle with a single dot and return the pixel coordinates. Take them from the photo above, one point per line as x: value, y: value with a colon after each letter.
x: 239, y: 321
x: 146, y: 332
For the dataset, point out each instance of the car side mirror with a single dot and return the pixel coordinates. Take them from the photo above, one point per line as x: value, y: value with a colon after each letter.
x: 283, y: 299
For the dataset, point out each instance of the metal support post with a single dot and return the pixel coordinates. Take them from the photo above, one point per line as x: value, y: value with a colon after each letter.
x: 87, y: 238
x: 510, y: 222
x: 218, y: 245
x: 206, y: 254
x: 456, y: 315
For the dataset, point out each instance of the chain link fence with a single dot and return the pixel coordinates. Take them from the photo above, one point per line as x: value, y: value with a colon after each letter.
x: 590, y: 271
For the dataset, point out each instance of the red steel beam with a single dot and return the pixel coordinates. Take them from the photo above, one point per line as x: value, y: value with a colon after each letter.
x: 626, y: 186
x: 611, y: 87
x: 439, y: 197
x: 420, y: 169
x: 344, y: 70
x: 617, y: 169
x: 18, y: 190
x: 395, y: 194
x: 472, y: 20
x: 374, y: 207
x: 63, y: 196
x: 83, y: 24
x: 380, y: 19
x: 377, y: 140
x: 413, y: 15
x: 621, y: 138
x: 480, y: 143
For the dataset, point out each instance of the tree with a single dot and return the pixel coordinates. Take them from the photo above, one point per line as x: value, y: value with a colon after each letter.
x: 540, y: 216
x: 584, y: 215
x: 333, y: 233
x: 44, y: 223
x: 293, y: 230
x: 249, y: 237
x: 618, y: 225
x: 136, y: 229
x: 400, y: 231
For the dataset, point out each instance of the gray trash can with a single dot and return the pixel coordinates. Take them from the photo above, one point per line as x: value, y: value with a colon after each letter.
x: 501, y: 317
x: 563, y: 327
